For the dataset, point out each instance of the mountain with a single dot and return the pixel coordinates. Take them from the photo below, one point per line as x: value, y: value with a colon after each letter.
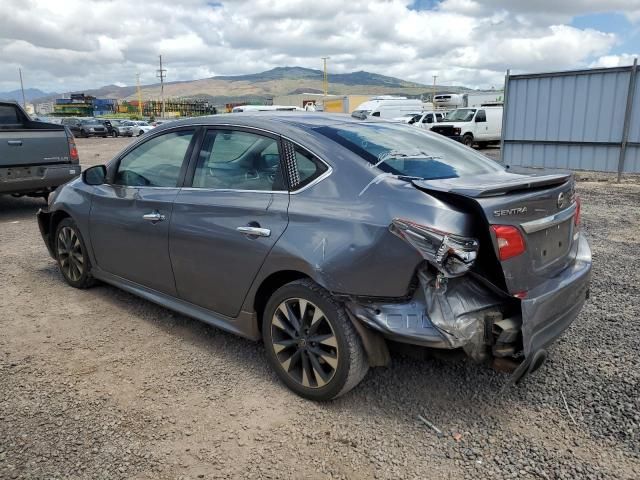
x: 262, y: 86
x: 29, y: 94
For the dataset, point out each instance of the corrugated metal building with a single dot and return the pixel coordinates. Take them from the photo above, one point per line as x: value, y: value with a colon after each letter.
x: 579, y: 120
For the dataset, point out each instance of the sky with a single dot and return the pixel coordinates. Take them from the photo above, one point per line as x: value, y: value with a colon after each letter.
x: 64, y: 45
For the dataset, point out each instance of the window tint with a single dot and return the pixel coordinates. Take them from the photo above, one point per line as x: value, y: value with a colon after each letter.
x: 8, y: 115
x: 428, y: 118
x: 309, y: 168
x: 155, y: 163
x: 481, y: 116
x: 232, y: 159
x: 407, y: 153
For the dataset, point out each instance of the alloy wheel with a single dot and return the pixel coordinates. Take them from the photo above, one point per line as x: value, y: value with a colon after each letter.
x: 70, y: 254
x: 304, y: 342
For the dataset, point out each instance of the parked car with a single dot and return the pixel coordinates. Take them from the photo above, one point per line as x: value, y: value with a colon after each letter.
x: 140, y: 128
x: 122, y: 128
x: 427, y: 119
x: 85, y: 127
x: 35, y: 157
x: 472, y: 125
x: 329, y: 237
x: 108, y: 124
x: 386, y: 106
x: 407, y: 117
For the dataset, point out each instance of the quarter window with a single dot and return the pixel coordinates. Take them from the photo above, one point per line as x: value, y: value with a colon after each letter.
x: 237, y: 160
x: 155, y: 163
x: 308, y: 167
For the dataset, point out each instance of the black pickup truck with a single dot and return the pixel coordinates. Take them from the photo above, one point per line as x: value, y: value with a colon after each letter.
x: 35, y: 157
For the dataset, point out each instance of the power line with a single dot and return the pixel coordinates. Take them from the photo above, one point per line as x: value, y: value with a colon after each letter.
x: 325, y: 77
x: 161, y: 74
x: 24, y: 102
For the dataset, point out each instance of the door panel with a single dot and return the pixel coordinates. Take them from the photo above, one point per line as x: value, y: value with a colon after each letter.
x: 127, y: 245
x: 130, y: 218
x: 213, y: 262
x: 237, y: 184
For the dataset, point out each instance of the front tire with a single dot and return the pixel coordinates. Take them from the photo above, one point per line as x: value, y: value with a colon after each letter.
x: 467, y: 140
x: 311, y: 343
x: 71, y: 254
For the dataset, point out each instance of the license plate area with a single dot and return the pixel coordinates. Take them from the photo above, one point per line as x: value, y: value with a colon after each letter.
x: 9, y: 174
x: 551, y: 244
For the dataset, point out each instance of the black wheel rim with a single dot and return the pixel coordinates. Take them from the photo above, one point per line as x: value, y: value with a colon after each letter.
x: 304, y: 342
x: 70, y: 254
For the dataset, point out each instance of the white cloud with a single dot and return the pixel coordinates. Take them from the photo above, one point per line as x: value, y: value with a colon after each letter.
x: 608, y: 61
x: 65, y: 45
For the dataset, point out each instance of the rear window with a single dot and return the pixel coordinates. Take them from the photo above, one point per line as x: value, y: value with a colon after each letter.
x: 8, y: 115
x: 401, y: 151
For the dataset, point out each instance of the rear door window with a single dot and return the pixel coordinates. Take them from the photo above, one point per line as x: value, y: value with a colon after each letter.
x: 239, y: 160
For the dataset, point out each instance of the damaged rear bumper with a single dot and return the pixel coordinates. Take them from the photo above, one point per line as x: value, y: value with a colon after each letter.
x: 549, y: 310
x: 467, y: 313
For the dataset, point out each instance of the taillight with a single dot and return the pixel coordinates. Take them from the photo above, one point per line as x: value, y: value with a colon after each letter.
x: 510, y: 241
x: 451, y: 254
x: 576, y: 217
x: 73, y: 150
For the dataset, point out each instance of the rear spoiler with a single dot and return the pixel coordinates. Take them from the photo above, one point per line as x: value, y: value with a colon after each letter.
x: 492, y: 185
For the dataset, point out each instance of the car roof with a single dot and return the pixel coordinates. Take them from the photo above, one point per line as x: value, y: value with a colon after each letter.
x: 277, y: 122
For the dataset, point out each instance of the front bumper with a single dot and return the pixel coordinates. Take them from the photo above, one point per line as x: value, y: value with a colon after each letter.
x: 44, y: 223
x: 39, y: 178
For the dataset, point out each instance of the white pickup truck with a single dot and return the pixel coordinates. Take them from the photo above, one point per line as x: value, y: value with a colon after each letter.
x: 427, y: 119
x: 35, y: 157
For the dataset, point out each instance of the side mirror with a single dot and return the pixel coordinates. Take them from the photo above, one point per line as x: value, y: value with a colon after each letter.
x: 96, y: 175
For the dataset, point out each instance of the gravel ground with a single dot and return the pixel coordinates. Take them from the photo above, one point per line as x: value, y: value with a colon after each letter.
x: 101, y: 384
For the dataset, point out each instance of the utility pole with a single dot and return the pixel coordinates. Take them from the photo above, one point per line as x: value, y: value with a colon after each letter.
x: 161, y: 74
x: 24, y: 102
x: 433, y: 96
x: 139, y: 95
x: 325, y: 77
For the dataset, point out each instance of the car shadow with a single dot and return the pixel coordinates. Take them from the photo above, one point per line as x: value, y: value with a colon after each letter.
x: 448, y: 389
x: 19, y: 208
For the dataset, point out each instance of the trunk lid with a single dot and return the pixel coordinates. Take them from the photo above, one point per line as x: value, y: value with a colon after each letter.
x: 541, y: 207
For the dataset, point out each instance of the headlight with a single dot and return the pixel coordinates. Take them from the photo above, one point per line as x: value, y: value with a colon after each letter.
x: 451, y: 254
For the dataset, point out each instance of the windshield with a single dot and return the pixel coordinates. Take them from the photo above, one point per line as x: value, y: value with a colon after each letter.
x: 361, y: 113
x: 461, y: 115
x: 400, y: 151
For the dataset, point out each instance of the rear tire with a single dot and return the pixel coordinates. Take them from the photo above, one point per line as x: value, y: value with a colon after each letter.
x: 467, y: 140
x: 311, y: 343
x: 71, y: 254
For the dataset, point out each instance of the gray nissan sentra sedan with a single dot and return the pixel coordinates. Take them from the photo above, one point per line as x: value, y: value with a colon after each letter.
x: 331, y: 239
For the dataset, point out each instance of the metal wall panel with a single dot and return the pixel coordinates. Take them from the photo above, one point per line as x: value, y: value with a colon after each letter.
x: 571, y: 120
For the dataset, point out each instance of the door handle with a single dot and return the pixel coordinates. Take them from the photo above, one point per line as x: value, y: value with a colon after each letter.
x: 154, y: 216
x: 15, y: 143
x: 255, y: 231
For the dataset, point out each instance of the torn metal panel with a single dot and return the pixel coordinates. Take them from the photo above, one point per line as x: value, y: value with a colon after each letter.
x: 441, y: 314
